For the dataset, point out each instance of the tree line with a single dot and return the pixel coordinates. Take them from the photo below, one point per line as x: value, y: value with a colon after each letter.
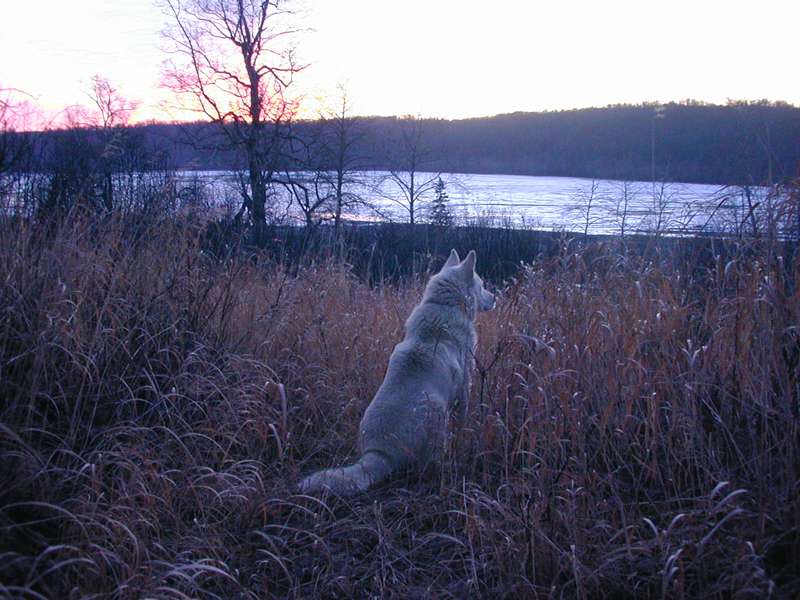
x: 739, y: 143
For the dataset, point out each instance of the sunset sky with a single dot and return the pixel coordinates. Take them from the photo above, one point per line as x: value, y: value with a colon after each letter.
x: 444, y: 58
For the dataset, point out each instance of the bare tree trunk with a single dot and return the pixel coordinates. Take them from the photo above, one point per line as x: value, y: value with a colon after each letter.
x: 257, y: 185
x: 258, y: 199
x: 589, y: 202
x: 108, y: 192
x: 751, y: 210
x: 337, y: 216
x: 411, y: 200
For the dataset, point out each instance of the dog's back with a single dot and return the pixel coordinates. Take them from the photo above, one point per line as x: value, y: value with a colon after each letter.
x: 405, y: 424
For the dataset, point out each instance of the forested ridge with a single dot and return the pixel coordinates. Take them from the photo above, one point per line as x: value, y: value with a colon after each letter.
x: 740, y: 143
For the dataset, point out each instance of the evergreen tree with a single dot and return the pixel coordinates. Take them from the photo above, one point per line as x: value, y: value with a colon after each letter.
x: 440, y: 211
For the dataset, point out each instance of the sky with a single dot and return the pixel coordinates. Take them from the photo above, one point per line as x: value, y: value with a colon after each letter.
x: 440, y: 58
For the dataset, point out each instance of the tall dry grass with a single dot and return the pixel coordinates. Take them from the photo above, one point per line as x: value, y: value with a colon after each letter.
x: 633, y: 428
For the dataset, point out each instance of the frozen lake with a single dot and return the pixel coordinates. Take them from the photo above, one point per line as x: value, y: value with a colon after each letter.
x: 532, y: 202
x: 569, y: 203
x: 598, y: 206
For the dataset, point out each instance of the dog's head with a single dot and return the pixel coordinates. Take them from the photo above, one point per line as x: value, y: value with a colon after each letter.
x: 464, y: 275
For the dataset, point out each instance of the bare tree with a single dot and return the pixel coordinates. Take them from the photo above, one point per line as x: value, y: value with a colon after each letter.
x: 113, y: 109
x: 113, y: 113
x: 410, y: 158
x: 340, y: 158
x: 620, y: 206
x: 233, y: 62
x: 661, y: 215
x: 333, y: 168
x: 585, y: 207
x: 312, y: 196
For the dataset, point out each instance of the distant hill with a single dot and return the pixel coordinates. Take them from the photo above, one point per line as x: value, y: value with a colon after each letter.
x: 689, y: 141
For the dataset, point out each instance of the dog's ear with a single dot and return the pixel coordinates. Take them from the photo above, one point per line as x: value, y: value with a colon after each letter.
x: 468, y: 266
x: 453, y: 259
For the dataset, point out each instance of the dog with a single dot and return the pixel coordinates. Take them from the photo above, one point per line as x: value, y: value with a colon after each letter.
x: 405, y: 425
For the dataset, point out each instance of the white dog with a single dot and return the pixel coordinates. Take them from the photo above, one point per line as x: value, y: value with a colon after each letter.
x: 405, y: 424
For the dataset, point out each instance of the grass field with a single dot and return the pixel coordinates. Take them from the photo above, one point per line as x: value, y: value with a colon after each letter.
x: 634, y: 426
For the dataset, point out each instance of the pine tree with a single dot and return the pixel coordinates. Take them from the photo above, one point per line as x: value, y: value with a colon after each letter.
x: 440, y: 211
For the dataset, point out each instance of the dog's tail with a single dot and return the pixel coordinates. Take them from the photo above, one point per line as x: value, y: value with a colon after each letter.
x: 368, y: 470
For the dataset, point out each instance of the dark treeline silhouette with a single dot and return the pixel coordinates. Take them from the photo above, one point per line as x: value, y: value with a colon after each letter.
x: 691, y: 142
x: 741, y: 143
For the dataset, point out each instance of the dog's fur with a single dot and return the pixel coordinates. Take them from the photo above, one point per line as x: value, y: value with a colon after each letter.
x: 404, y: 427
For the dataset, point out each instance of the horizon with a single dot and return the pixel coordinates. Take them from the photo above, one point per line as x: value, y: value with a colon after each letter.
x: 611, y: 56
x: 686, y: 102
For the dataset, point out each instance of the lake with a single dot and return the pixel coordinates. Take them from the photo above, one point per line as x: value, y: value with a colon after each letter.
x: 574, y: 204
